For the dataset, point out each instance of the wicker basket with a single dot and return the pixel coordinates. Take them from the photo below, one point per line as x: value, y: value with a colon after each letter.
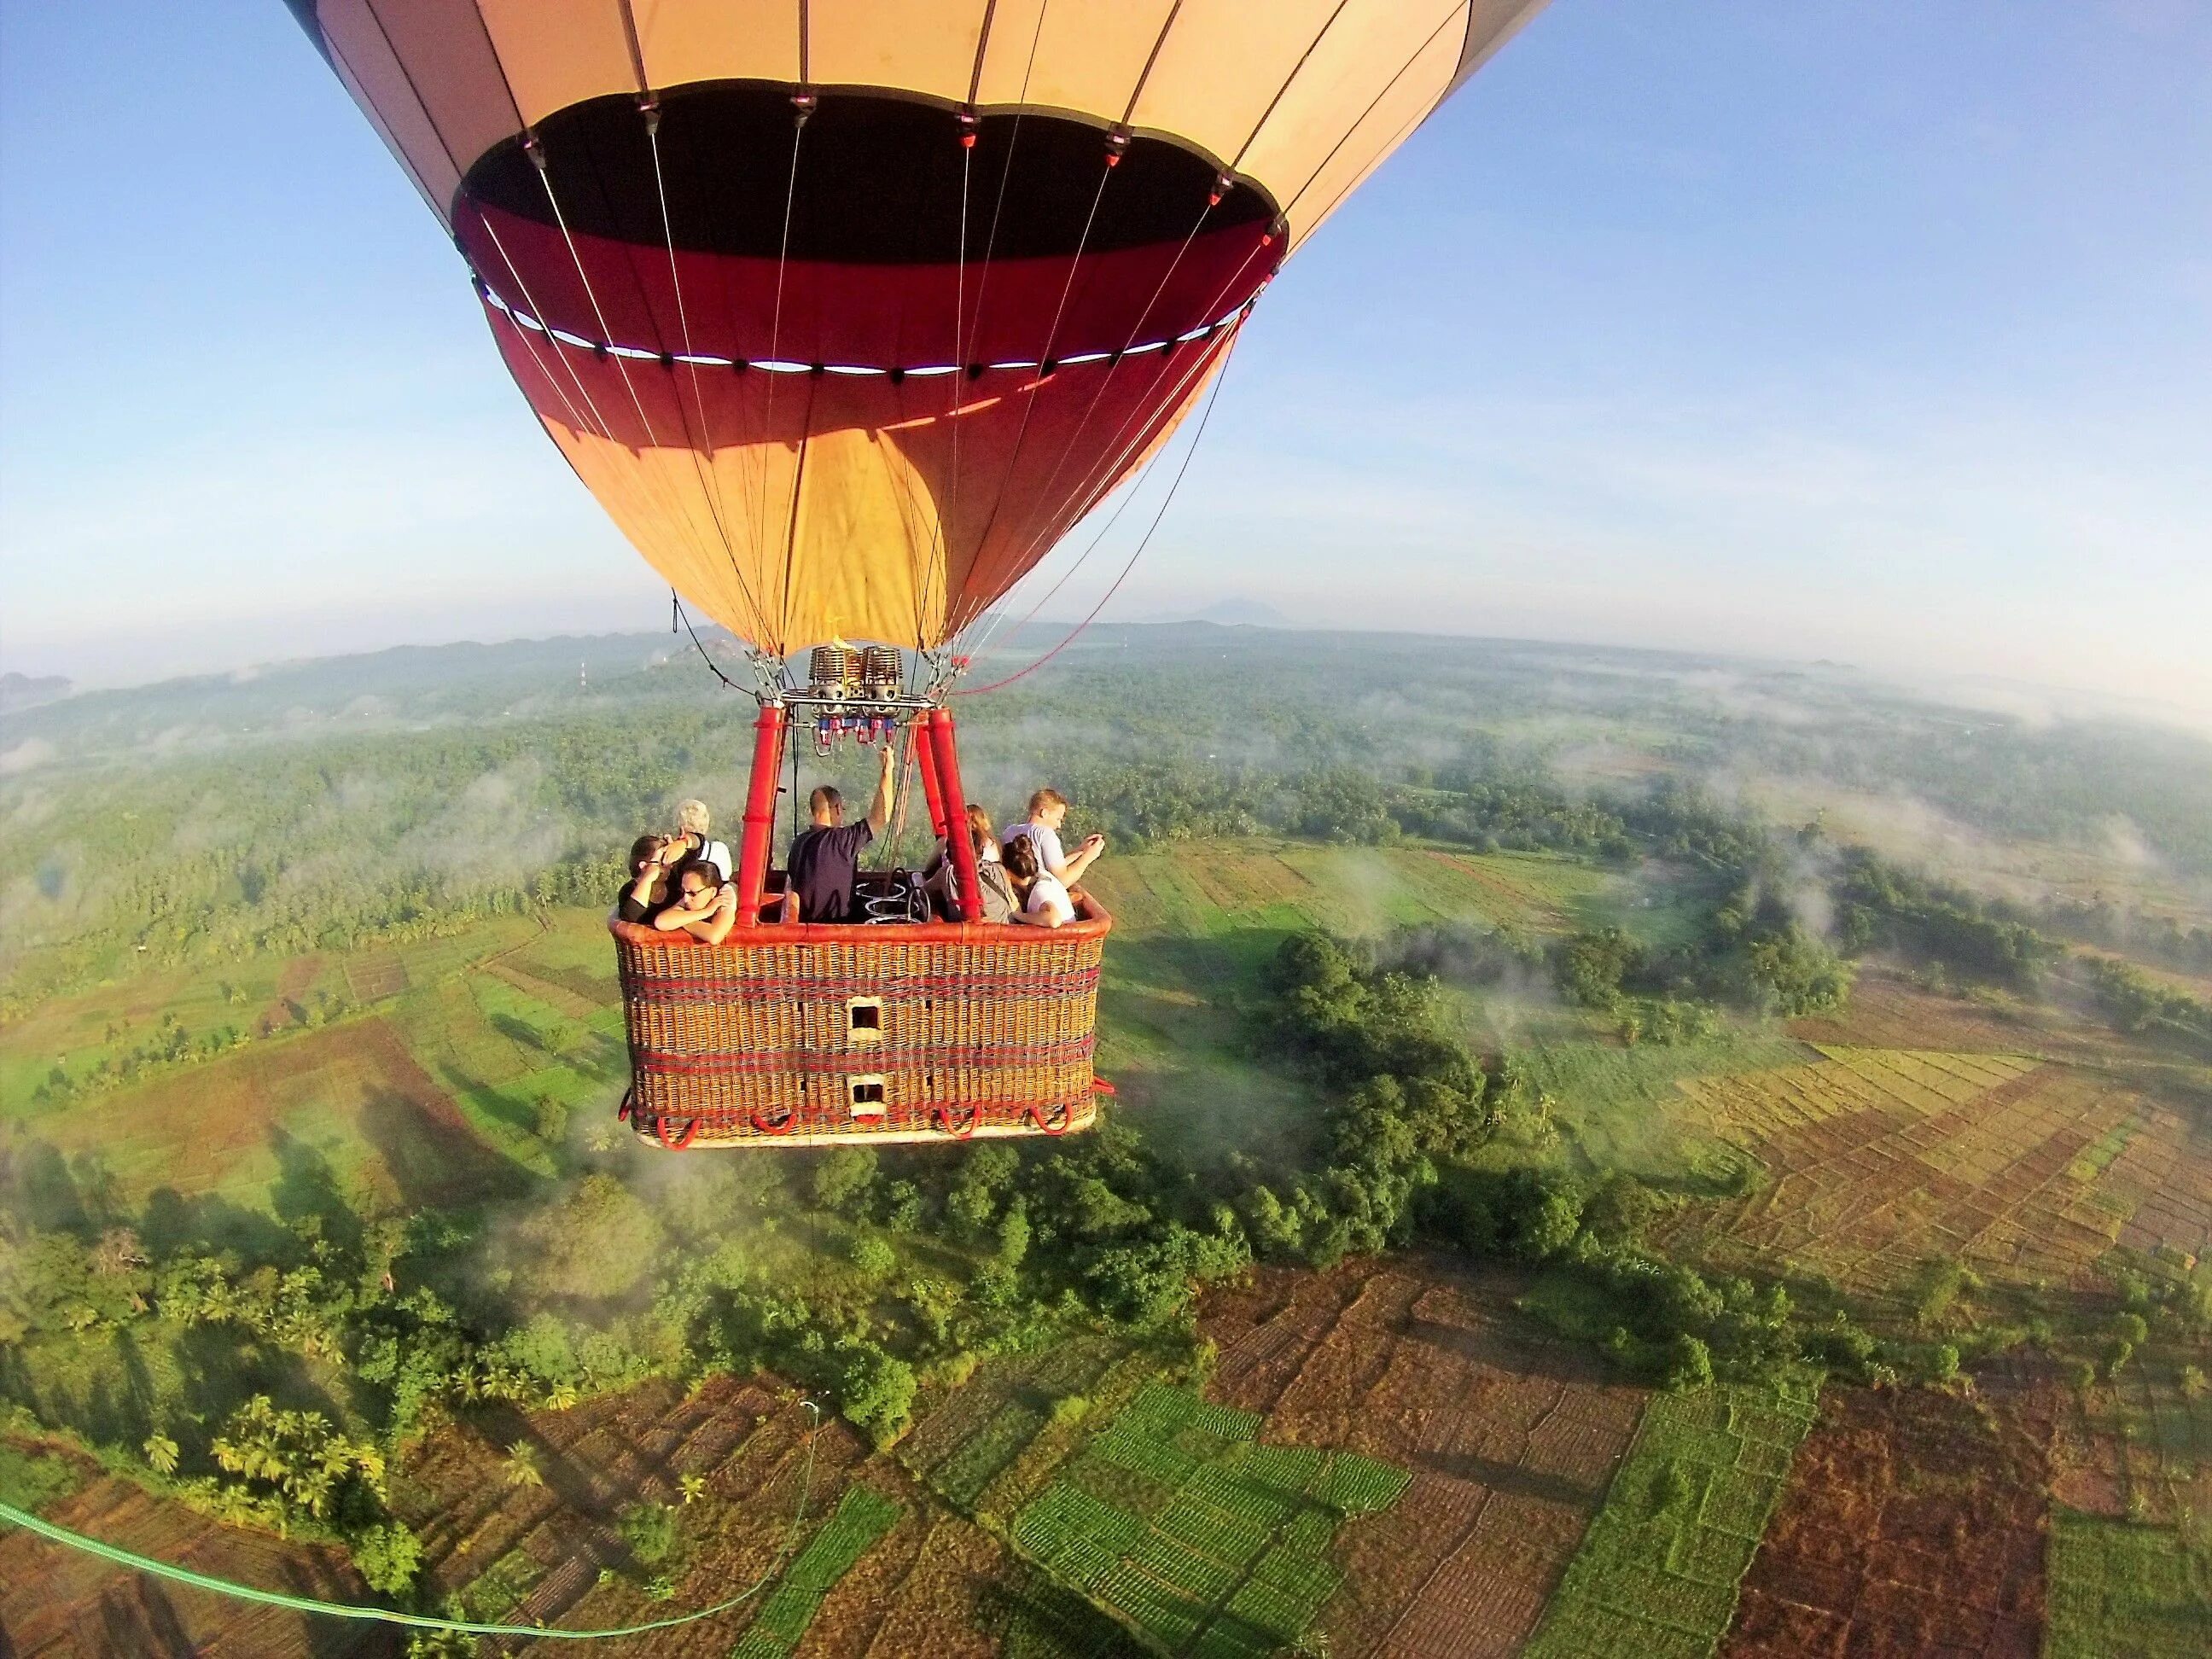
x: 802, y: 1036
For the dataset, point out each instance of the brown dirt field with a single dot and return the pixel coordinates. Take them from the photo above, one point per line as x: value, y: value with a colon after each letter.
x: 58, y: 1603
x: 1914, y: 1523
x: 1511, y: 1438
x: 186, y: 1131
x: 747, y: 1437
x: 1997, y: 1175
x: 374, y: 977
x: 1888, y: 1012
x: 923, y: 1589
x: 293, y: 981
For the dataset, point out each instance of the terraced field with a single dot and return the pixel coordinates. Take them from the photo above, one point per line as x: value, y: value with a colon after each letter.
x: 1511, y: 1440
x: 1884, y: 1159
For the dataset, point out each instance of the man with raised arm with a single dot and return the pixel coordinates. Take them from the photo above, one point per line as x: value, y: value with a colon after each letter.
x: 825, y: 858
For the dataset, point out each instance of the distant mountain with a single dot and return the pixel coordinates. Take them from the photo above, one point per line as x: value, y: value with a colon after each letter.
x: 1230, y: 613
x: 28, y: 691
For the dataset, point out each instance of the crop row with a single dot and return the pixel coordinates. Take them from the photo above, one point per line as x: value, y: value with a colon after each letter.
x: 1657, y: 1573
x: 1222, y: 1552
x: 862, y: 1515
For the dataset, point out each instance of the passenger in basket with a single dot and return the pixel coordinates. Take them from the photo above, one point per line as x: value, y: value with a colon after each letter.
x: 1047, y: 811
x: 1045, y: 902
x: 646, y: 895
x: 692, y: 842
x: 825, y: 859
x: 941, y: 878
x: 706, y: 908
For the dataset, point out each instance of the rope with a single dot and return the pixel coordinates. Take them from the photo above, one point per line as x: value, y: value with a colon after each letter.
x: 1092, y: 491
x: 124, y: 1558
x: 696, y: 641
x: 710, y: 476
x: 1197, y: 437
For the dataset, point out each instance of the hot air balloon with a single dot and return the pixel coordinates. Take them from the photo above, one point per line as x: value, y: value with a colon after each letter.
x: 847, y: 311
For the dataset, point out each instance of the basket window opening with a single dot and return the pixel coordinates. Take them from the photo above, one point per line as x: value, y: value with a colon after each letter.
x: 867, y: 1096
x: 864, y: 1019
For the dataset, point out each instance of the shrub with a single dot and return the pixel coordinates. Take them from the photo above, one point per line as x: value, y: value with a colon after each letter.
x: 1689, y: 1366
x: 388, y: 1557
x: 649, y: 1530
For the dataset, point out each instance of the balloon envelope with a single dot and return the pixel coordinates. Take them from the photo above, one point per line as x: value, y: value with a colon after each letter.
x: 847, y: 310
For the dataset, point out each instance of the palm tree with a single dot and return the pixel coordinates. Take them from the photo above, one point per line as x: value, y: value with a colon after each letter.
x: 694, y: 1486
x: 524, y: 1467
x: 161, y: 1454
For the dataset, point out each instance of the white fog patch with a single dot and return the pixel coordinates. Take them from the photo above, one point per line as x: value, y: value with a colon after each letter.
x: 2121, y: 841
x: 494, y: 834
x: 26, y: 755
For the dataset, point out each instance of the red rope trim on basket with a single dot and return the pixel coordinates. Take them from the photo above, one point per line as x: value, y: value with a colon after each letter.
x: 905, y: 988
x: 982, y: 1057
x: 1067, y: 1118
x: 660, y: 1133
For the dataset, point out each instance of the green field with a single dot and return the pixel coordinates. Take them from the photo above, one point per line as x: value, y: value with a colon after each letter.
x: 1200, y: 1541
x: 2119, y: 1587
x: 862, y: 1516
x: 1655, y: 1577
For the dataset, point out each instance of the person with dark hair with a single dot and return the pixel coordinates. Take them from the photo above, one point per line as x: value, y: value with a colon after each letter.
x: 706, y: 906
x: 941, y: 878
x: 825, y: 858
x: 1044, y: 897
x: 647, y: 893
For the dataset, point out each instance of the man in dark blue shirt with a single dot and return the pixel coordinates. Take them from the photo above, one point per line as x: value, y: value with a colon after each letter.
x: 825, y: 859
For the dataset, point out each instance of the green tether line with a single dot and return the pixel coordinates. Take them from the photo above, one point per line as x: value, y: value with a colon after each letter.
x: 124, y: 1558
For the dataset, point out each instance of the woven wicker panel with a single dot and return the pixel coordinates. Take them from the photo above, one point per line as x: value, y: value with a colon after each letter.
x: 798, y: 1035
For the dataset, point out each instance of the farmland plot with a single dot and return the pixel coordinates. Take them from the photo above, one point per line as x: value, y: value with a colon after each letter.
x: 539, y: 1550
x: 862, y: 1516
x: 1883, y: 1159
x: 1511, y: 1438
x: 1913, y: 1523
x: 1194, y: 1535
x: 56, y: 1603
x: 1657, y: 1574
x: 2121, y: 1589
x: 349, y: 1096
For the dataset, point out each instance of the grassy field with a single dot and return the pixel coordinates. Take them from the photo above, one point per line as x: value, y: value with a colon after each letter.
x: 2116, y: 1587
x: 1657, y: 1576
x: 1200, y: 1541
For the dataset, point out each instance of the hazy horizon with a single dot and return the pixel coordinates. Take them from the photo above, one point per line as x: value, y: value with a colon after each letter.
x: 1753, y: 333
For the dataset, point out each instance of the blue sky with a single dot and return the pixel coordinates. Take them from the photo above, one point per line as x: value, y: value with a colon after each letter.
x: 1871, y: 331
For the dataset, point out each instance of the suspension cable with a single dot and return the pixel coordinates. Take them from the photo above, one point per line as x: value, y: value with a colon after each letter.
x: 710, y: 476
x: 801, y: 111
x: 1106, y: 474
x: 1197, y: 437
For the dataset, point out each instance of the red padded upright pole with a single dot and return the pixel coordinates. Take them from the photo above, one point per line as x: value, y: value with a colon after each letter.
x: 962, y: 847
x: 924, y: 744
x: 760, y: 813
